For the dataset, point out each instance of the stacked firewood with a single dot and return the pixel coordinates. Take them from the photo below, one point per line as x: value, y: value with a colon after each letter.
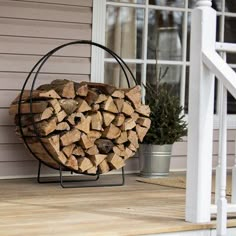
x: 86, y: 127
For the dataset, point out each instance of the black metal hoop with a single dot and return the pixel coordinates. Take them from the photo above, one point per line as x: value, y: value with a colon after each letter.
x: 40, y: 64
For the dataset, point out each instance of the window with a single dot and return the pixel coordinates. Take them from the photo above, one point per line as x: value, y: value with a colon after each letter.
x: 153, y: 37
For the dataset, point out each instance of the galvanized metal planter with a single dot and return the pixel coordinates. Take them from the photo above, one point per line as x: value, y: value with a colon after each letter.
x: 154, y: 160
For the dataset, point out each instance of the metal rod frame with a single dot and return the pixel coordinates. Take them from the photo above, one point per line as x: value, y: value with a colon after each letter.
x: 38, y: 66
x: 78, y: 181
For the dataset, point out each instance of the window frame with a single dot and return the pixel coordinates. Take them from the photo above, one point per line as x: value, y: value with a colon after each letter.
x: 98, y: 59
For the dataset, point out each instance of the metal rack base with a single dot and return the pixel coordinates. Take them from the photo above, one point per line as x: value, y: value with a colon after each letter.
x: 69, y: 183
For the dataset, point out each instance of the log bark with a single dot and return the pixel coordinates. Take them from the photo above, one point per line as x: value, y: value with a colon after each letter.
x: 64, y: 88
x: 81, y: 89
x: 104, y: 145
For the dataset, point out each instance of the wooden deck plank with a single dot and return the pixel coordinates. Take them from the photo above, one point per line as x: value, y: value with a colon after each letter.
x: 28, y: 208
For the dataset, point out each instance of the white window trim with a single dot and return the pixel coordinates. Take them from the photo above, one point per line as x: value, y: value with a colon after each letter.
x: 97, y: 54
x: 98, y: 36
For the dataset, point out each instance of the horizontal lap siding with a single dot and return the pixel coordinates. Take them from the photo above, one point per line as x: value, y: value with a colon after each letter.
x: 28, y: 30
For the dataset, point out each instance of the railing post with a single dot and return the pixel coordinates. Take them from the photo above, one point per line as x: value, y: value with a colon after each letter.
x: 201, y: 101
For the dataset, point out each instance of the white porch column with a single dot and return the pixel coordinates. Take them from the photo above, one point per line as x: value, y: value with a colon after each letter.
x: 200, y: 131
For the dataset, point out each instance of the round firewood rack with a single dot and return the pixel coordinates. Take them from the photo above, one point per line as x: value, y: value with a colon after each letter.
x: 71, y: 183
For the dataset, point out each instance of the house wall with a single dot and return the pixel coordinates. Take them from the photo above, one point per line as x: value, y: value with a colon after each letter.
x: 29, y: 29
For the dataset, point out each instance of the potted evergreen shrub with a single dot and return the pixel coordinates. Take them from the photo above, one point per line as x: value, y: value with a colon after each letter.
x: 167, y: 126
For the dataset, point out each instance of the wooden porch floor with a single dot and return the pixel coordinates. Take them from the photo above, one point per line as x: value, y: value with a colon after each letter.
x: 28, y: 208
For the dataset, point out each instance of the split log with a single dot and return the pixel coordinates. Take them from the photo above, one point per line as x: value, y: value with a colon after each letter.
x: 103, y: 167
x: 94, y: 135
x: 64, y: 88
x: 144, y: 121
x: 28, y: 119
x: 128, y: 124
x: 43, y: 128
x: 109, y: 105
x: 81, y: 89
x: 37, y: 107
x: 119, y: 149
x: 134, y: 95
x: 118, y: 94
x: 78, y: 151
x: 96, y: 121
x: 143, y: 110
x: 119, y: 120
x: 101, y: 88
x: 91, y: 97
x: 74, y: 118
x: 68, y: 150
x: 61, y: 115
x: 84, y: 164
x: 84, y: 124
x: 133, y: 138
x: 55, y: 105
x: 82, y: 105
x: 119, y: 104
x: 122, y: 138
x: 70, y: 137
x: 128, y: 153
x: 52, y: 146
x: 127, y: 109
x: 92, y: 151
x: 36, y: 95
x: 135, y: 116
x: 85, y: 142
x: 132, y: 147
x: 101, y: 98
x: 68, y: 105
x: 97, y: 159
x: 92, y: 170
x: 111, y: 132
x: 141, y: 132
x: 95, y: 107
x: 62, y: 126
x: 72, y: 162
x: 108, y: 118
x: 115, y: 161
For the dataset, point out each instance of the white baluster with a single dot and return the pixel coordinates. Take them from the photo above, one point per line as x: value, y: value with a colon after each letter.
x: 233, y: 196
x: 219, y: 107
x: 200, y: 129
x: 221, y: 201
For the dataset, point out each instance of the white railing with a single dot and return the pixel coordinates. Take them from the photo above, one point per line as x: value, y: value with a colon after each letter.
x: 205, y: 64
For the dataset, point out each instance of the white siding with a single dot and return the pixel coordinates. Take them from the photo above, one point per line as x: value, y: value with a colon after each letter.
x: 28, y: 30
